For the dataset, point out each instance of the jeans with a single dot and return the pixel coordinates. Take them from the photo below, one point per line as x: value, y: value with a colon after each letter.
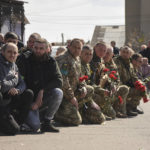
x: 52, y: 101
x: 33, y: 119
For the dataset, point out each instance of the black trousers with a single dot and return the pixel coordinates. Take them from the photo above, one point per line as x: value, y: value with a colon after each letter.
x: 15, y: 113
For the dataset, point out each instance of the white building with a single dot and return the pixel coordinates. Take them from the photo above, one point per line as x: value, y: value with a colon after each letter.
x: 12, y: 17
x: 108, y: 34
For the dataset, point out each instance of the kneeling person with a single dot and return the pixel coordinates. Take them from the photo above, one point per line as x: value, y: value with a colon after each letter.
x: 15, y: 101
x: 42, y: 75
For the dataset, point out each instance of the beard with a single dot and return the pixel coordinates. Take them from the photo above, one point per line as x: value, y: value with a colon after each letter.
x: 40, y: 58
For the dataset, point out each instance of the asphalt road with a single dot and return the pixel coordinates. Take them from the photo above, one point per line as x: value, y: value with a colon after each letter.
x: 119, y: 134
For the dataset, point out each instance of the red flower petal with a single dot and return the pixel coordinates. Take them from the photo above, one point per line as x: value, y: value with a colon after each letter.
x: 86, y: 77
x: 111, y: 75
x: 113, y: 72
x: 120, y: 100
x: 145, y: 100
x: 105, y: 70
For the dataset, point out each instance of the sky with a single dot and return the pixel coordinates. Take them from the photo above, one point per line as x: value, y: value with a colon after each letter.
x: 73, y: 18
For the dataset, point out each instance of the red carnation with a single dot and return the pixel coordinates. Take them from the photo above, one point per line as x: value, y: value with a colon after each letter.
x: 120, y: 100
x: 142, y: 88
x: 113, y: 72
x: 111, y: 76
x: 115, y: 78
x: 86, y: 77
x: 105, y: 70
x: 137, y: 84
x: 145, y: 100
x: 81, y: 79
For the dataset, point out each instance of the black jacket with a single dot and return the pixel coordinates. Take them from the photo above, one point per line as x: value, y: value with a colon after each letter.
x: 39, y: 74
x: 146, y: 53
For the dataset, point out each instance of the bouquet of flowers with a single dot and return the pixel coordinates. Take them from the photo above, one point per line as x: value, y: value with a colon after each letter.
x: 81, y: 79
x: 139, y: 86
x: 112, y: 80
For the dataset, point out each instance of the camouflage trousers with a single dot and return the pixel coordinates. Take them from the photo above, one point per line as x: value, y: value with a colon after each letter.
x: 105, y: 102
x: 69, y: 114
x: 134, y: 97
x: 122, y: 91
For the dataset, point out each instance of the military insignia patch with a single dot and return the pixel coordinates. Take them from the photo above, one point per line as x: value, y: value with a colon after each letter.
x: 64, y: 70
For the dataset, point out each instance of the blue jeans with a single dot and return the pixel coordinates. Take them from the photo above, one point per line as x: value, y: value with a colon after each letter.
x: 33, y: 119
x: 52, y: 101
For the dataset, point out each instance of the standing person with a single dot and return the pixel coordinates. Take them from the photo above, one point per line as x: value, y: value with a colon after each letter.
x: 137, y: 60
x: 15, y: 101
x: 42, y: 75
x: 30, y: 43
x: 145, y: 70
x: 115, y: 49
x: 11, y: 37
x: 1, y: 39
x: 146, y: 52
x: 143, y: 46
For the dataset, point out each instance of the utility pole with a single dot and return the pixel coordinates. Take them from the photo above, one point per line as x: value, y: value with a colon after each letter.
x: 62, y: 36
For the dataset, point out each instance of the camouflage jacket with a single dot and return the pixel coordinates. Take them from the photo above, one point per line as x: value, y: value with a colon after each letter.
x: 86, y: 70
x: 126, y: 71
x: 113, y: 67
x: 97, y: 67
x: 71, y: 72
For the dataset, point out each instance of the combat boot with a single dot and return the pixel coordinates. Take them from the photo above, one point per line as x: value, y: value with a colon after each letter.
x: 120, y: 115
x: 48, y: 126
x: 130, y: 112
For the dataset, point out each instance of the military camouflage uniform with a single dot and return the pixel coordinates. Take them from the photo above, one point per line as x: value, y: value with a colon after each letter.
x: 92, y: 115
x: 121, y: 90
x: 128, y: 77
x: 72, y: 87
x: 99, y: 97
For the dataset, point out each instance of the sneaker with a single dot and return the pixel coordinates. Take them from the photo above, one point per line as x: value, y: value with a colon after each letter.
x: 48, y: 126
x: 138, y: 111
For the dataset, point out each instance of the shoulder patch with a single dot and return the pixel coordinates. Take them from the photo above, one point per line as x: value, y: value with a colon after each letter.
x: 64, y: 69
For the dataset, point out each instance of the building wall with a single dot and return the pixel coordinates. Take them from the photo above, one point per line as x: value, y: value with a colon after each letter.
x: 137, y: 17
x: 132, y: 16
x: 6, y: 28
x: 108, y: 34
x: 145, y: 17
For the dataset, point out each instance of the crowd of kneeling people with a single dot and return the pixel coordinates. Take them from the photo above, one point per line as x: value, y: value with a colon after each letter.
x: 81, y: 85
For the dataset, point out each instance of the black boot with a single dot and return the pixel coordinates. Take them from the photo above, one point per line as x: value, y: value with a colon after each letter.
x: 130, y: 112
x: 48, y: 126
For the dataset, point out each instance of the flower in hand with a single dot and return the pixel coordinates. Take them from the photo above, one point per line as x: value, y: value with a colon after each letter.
x: 120, y: 100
